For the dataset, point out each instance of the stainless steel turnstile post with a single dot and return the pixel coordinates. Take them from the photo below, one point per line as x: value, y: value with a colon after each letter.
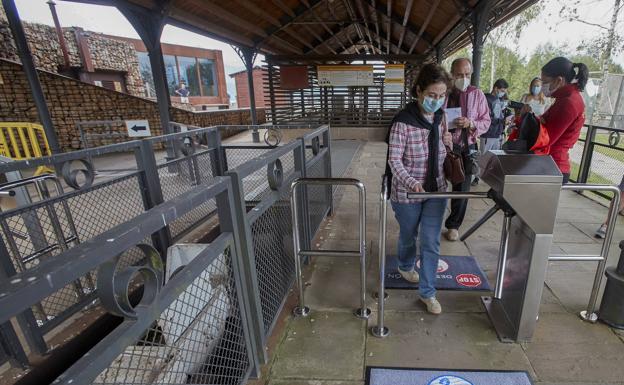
x: 302, y: 310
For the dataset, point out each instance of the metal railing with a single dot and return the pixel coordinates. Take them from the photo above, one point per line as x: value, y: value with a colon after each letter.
x: 154, y: 202
x: 602, y: 159
x: 302, y: 310
x: 589, y: 314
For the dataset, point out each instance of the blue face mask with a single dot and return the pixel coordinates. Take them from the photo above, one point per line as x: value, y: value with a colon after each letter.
x: 536, y: 90
x: 500, y: 94
x: 431, y: 105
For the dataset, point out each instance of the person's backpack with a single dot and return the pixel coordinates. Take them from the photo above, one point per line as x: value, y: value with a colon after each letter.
x: 530, y: 137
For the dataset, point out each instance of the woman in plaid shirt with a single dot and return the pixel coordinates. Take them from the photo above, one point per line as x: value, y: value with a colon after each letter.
x: 416, y: 151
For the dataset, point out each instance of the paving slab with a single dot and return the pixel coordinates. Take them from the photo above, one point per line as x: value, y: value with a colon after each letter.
x: 448, y: 341
x: 323, y: 346
x: 566, y: 361
x: 314, y: 382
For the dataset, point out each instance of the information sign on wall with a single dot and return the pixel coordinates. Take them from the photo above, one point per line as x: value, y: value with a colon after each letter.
x: 345, y: 76
x: 395, y: 78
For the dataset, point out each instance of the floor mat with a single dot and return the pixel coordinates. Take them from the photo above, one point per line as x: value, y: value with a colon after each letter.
x: 407, y: 376
x: 454, y: 273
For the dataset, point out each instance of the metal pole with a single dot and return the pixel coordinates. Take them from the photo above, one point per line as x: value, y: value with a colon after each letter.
x: 249, y: 55
x: 363, y: 312
x: 589, y: 315
x: 447, y: 195
x: 301, y: 310
x: 380, y: 330
x: 502, y: 258
x: 59, y: 32
x: 586, y: 158
x: 31, y: 74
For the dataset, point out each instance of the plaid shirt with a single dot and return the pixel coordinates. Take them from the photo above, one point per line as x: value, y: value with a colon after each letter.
x: 409, y: 151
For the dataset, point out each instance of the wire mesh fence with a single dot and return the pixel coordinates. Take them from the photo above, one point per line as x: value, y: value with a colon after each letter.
x: 196, y: 327
x: 598, y: 157
x: 197, y: 339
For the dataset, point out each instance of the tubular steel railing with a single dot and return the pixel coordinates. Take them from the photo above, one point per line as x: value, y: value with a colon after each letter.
x: 121, y: 211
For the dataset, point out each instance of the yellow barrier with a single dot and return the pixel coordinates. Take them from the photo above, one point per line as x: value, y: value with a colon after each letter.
x: 22, y: 140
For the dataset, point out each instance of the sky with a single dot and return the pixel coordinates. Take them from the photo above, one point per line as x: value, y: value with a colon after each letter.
x: 549, y: 26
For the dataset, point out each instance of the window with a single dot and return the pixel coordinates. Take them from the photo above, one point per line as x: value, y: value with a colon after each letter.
x: 145, y: 68
x: 208, y: 77
x: 171, y: 69
x: 189, y: 75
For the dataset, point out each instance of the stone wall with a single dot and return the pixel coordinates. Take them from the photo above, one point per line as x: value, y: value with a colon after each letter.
x: 106, y: 53
x: 71, y: 101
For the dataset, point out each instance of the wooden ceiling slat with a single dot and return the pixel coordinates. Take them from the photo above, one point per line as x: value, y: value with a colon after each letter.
x: 226, y: 15
x: 406, y: 16
x: 250, y: 5
x: 430, y: 14
x: 389, y: 28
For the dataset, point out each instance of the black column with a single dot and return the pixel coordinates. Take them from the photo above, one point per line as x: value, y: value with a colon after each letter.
x: 149, y: 25
x: 31, y: 74
x: 480, y: 18
x: 248, y: 55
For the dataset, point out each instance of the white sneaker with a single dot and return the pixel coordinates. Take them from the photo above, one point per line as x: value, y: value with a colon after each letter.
x: 433, y: 306
x: 410, y: 276
x: 601, y: 232
x: 452, y: 235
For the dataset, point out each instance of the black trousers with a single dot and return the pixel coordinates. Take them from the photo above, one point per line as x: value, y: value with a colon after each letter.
x: 458, y: 206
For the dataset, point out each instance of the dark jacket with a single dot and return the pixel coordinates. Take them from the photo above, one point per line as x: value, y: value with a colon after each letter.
x: 497, y: 124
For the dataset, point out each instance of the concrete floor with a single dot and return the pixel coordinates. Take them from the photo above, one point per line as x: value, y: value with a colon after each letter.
x: 332, y: 347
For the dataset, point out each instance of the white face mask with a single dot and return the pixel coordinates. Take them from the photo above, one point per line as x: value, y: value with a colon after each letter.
x: 546, y: 89
x: 462, y: 84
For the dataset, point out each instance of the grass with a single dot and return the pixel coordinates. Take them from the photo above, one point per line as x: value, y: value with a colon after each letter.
x: 615, y: 152
x: 592, y: 178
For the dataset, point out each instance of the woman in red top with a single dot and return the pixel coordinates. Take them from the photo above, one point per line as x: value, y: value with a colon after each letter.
x: 564, y: 81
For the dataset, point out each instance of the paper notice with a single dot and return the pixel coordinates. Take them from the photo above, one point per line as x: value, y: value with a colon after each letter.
x: 451, y: 115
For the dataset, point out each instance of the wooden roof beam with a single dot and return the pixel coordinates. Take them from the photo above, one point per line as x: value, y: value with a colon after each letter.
x: 430, y: 14
x: 364, y: 17
x: 352, y: 16
x: 374, y: 12
x: 389, y: 25
x: 406, y: 16
x: 411, y: 28
x: 316, y: 16
x: 224, y: 14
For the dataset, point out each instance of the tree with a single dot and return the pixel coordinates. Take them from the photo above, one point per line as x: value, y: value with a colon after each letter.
x: 510, y: 29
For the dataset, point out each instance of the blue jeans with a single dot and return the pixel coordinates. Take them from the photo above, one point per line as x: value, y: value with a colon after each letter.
x: 427, y: 214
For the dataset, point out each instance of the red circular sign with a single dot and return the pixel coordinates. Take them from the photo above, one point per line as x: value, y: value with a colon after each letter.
x: 468, y: 280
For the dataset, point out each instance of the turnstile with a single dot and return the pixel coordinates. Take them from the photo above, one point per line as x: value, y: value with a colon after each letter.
x: 530, y: 185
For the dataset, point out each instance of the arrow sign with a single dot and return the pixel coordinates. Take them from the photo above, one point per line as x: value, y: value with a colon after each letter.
x: 138, y: 128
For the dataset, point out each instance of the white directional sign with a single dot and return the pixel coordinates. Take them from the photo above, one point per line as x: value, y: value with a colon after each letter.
x: 138, y: 128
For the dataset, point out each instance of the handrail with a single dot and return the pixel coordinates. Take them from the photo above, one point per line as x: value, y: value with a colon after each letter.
x: 589, y: 314
x: 301, y: 310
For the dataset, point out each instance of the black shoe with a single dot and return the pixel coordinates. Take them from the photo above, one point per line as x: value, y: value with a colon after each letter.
x: 475, y: 182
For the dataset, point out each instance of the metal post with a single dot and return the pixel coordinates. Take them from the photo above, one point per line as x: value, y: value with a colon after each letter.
x: 226, y: 205
x: 31, y: 74
x: 59, y: 32
x: 300, y: 166
x: 363, y: 311
x: 301, y: 310
x: 328, y: 168
x: 243, y: 230
x: 249, y: 55
x: 272, y: 93
x: 588, y: 152
x: 479, y: 22
x: 149, y: 25
x: 152, y: 192
x: 502, y: 258
x: 381, y: 330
